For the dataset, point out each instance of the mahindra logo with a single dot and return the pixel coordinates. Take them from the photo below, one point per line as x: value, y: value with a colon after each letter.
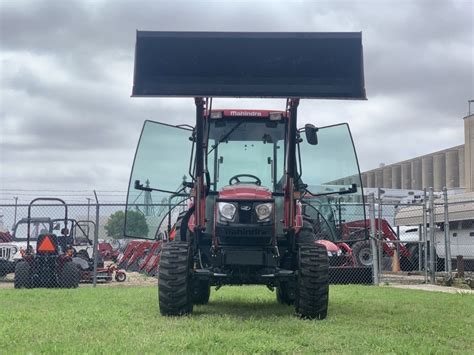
x: 246, y: 113
x: 245, y: 208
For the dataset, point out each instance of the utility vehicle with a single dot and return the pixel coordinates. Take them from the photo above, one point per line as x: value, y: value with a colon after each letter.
x: 253, y: 176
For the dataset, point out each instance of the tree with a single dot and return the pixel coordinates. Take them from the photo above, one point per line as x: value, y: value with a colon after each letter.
x: 136, y: 224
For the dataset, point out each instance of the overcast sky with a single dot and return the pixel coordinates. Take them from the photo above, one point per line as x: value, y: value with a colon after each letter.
x: 67, y: 121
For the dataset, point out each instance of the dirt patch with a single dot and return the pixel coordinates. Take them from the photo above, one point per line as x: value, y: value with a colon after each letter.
x: 133, y: 279
x: 433, y: 288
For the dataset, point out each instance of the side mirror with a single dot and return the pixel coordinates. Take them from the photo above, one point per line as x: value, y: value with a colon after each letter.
x: 311, y: 133
x: 350, y: 190
x: 139, y: 186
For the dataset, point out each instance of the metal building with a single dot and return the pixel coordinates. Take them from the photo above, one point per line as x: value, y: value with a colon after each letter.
x: 453, y: 168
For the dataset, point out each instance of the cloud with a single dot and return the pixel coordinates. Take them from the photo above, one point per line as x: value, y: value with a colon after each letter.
x: 66, y: 72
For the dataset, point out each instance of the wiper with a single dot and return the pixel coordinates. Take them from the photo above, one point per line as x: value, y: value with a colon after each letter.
x: 225, y: 136
x: 341, y: 191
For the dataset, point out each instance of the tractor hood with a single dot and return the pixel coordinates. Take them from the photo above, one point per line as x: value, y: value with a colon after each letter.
x: 245, y: 192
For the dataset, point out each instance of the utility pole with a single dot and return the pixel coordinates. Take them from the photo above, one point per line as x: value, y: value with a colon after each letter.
x: 16, y: 205
x: 96, y: 239
x: 147, y: 200
x: 88, y: 213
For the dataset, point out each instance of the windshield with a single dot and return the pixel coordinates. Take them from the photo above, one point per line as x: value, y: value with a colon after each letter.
x: 36, y: 228
x: 251, y: 147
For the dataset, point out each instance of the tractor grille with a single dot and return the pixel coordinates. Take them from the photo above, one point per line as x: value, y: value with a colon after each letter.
x: 5, y: 252
x: 246, y: 213
x: 244, y: 234
x: 245, y: 229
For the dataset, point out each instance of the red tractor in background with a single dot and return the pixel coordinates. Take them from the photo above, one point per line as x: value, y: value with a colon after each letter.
x: 141, y: 256
x: 250, y: 171
x: 363, y: 251
x: 108, y: 252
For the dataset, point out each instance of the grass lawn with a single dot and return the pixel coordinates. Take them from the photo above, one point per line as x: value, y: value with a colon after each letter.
x: 361, y: 319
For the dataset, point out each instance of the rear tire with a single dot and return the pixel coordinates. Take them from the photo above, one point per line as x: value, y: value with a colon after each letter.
x: 22, y: 275
x: 306, y: 234
x: 181, y: 228
x: 174, y: 280
x: 201, y: 292
x: 312, y: 289
x: 69, y: 276
x: 286, y: 293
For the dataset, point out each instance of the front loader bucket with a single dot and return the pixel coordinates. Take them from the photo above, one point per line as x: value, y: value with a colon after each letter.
x: 251, y: 64
x: 351, y: 275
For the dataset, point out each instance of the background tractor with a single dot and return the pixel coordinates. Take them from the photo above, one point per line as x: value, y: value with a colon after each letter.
x: 249, y: 173
x: 49, y: 263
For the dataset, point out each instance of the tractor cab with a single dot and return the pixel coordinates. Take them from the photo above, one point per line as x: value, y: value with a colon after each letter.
x: 252, y: 181
x: 38, y: 225
x: 48, y: 262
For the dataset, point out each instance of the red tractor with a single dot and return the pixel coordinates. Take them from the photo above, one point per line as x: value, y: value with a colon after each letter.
x: 149, y: 264
x: 124, y: 258
x: 363, y: 251
x: 107, y: 251
x: 247, y: 172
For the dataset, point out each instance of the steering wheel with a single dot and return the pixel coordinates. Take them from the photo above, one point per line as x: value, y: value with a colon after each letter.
x: 235, y: 179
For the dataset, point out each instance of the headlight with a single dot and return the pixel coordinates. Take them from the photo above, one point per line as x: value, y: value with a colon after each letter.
x: 263, y: 211
x: 14, y: 250
x: 336, y: 253
x: 226, y: 210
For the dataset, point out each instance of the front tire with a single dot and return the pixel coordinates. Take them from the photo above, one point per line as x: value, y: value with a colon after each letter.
x: 22, y: 275
x: 362, y: 252
x: 312, y: 290
x: 174, y: 279
x: 120, y: 276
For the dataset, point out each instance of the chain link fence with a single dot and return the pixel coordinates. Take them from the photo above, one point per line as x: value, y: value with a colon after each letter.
x: 427, y: 241
x: 78, y: 244
x: 430, y: 240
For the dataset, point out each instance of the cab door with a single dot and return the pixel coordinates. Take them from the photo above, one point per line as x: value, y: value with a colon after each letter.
x: 330, y: 171
x: 162, y: 164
